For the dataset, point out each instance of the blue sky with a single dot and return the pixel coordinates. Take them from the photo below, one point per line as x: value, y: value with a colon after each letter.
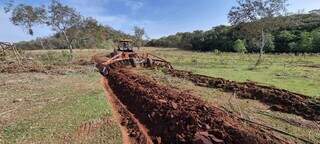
x: 158, y: 17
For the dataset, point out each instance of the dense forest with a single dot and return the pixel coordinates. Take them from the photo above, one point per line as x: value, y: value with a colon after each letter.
x: 297, y: 33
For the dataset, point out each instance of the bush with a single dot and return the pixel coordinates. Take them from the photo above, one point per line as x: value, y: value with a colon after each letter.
x: 239, y: 46
x: 269, y: 45
x: 109, y: 44
x: 55, y: 58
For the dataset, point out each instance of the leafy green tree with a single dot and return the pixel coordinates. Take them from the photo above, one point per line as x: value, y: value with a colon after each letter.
x: 26, y: 16
x: 269, y: 40
x: 197, y: 41
x: 306, y: 42
x: 61, y: 18
x: 294, y: 47
x: 57, y: 16
x: 316, y: 40
x: 239, y: 46
x: 283, y: 39
x: 253, y: 10
x: 138, y: 34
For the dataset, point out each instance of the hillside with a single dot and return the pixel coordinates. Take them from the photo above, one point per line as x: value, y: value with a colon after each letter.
x: 294, y: 33
x: 88, y: 34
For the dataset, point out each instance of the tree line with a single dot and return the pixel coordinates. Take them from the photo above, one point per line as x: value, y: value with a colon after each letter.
x: 88, y: 34
x: 299, y: 33
x: 72, y: 30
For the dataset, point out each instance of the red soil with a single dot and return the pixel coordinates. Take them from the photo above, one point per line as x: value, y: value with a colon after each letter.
x: 279, y: 99
x: 173, y: 116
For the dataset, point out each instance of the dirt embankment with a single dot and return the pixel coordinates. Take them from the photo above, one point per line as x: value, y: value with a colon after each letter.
x: 173, y: 116
x: 278, y: 99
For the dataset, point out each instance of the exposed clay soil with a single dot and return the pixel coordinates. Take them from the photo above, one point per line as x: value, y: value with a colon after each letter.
x: 279, y: 99
x: 173, y: 116
x: 133, y: 132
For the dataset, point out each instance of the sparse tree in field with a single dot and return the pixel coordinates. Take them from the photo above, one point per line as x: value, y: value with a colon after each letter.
x: 61, y: 18
x: 57, y: 16
x: 138, y: 34
x: 239, y: 46
x: 26, y: 16
x: 253, y: 10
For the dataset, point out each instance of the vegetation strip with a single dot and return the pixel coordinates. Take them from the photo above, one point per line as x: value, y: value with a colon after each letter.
x: 279, y: 99
x: 173, y: 116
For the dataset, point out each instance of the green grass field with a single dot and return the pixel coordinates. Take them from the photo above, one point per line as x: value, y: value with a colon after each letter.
x: 50, y: 108
x: 295, y: 73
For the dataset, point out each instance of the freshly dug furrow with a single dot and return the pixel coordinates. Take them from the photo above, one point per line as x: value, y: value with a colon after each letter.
x: 173, y: 116
x: 134, y: 133
x: 278, y: 99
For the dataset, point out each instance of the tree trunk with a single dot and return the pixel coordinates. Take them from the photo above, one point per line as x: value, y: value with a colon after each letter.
x: 41, y: 43
x: 263, y: 42
x: 69, y: 43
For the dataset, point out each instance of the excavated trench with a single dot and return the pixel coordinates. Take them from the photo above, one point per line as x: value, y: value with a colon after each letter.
x: 133, y: 132
x: 172, y: 116
x: 279, y: 99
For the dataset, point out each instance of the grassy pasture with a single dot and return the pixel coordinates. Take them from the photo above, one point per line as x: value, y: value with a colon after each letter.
x: 245, y: 108
x: 295, y: 73
x: 50, y: 108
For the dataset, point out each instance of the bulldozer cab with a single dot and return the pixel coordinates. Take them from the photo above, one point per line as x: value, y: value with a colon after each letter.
x: 125, y: 45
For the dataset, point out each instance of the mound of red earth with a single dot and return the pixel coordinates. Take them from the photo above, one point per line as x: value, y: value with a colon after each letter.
x: 173, y: 116
x: 278, y: 99
x: 126, y: 119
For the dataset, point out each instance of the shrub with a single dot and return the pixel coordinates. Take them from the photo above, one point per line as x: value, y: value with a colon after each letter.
x: 55, y: 58
x: 239, y: 46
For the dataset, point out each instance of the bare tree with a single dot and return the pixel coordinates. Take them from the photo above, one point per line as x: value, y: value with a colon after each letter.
x: 138, y: 34
x: 253, y: 10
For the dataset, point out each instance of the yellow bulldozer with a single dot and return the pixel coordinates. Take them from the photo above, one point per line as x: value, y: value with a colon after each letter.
x: 125, y: 55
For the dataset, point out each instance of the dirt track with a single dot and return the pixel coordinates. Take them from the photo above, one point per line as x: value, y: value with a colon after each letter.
x: 279, y: 99
x: 173, y: 116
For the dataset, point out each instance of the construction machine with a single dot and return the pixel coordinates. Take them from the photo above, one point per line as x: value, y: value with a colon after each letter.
x: 125, y: 55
